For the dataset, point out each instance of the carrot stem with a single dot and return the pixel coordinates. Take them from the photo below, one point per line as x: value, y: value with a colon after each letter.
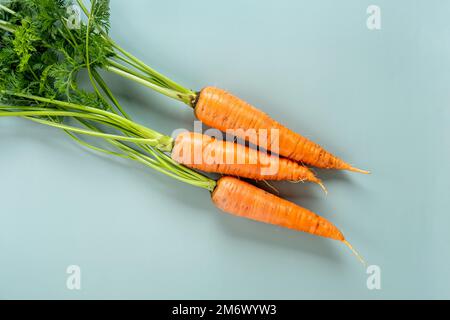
x: 170, y: 83
x: 135, y: 73
x: 186, y: 98
x: 7, y: 26
x: 98, y: 78
x: 6, y: 9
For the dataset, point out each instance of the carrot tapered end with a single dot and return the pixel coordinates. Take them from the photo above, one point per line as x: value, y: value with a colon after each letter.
x: 358, y: 170
x: 320, y: 183
x: 355, y: 252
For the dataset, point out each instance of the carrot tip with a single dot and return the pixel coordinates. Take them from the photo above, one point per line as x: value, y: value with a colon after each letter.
x: 358, y: 170
x: 320, y: 183
x: 355, y: 252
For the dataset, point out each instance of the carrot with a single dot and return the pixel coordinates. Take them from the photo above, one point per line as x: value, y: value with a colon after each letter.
x: 208, y: 154
x: 219, y: 109
x: 213, y: 106
x: 245, y: 200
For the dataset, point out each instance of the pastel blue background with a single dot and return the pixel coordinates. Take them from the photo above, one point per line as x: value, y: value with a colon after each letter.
x: 379, y: 99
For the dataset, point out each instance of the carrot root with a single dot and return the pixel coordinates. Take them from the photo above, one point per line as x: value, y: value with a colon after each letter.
x: 318, y: 181
x: 358, y: 170
x: 355, y: 252
x: 271, y: 186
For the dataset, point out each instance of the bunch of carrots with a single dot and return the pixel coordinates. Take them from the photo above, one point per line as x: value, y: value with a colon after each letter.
x: 40, y: 58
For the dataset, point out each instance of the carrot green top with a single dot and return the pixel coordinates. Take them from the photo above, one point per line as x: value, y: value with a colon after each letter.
x: 40, y: 58
x: 47, y: 23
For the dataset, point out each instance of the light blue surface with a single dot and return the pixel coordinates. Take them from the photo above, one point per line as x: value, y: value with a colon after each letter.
x: 379, y: 99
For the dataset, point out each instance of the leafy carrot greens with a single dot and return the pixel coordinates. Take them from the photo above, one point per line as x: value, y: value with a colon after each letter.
x: 40, y: 59
x: 87, y: 46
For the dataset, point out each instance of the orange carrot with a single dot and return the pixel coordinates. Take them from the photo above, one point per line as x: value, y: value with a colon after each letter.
x: 245, y: 200
x: 208, y: 154
x: 219, y: 109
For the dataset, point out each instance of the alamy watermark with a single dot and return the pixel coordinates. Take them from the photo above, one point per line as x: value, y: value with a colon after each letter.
x: 73, y: 281
x: 373, y: 281
x: 373, y: 21
x: 73, y: 17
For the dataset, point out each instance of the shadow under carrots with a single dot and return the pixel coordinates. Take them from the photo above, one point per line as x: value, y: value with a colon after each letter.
x: 334, y: 175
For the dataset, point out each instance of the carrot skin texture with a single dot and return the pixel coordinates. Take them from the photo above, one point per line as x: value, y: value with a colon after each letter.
x: 219, y: 109
x: 235, y: 159
x: 245, y: 200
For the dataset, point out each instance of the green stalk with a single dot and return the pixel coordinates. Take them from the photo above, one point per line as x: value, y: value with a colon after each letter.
x: 57, y: 112
x: 109, y: 93
x: 163, y: 163
x: 167, y: 92
x: 2, y: 7
x: 162, y: 159
x: 29, y: 114
x: 7, y: 26
x: 130, y: 63
x: 172, y: 172
x: 88, y: 64
x: 208, y: 184
x: 175, y: 171
x: 83, y: 7
x: 64, y: 23
x: 172, y: 84
x: 154, y: 134
x: 165, y: 160
x: 135, y: 73
x: 95, y: 148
